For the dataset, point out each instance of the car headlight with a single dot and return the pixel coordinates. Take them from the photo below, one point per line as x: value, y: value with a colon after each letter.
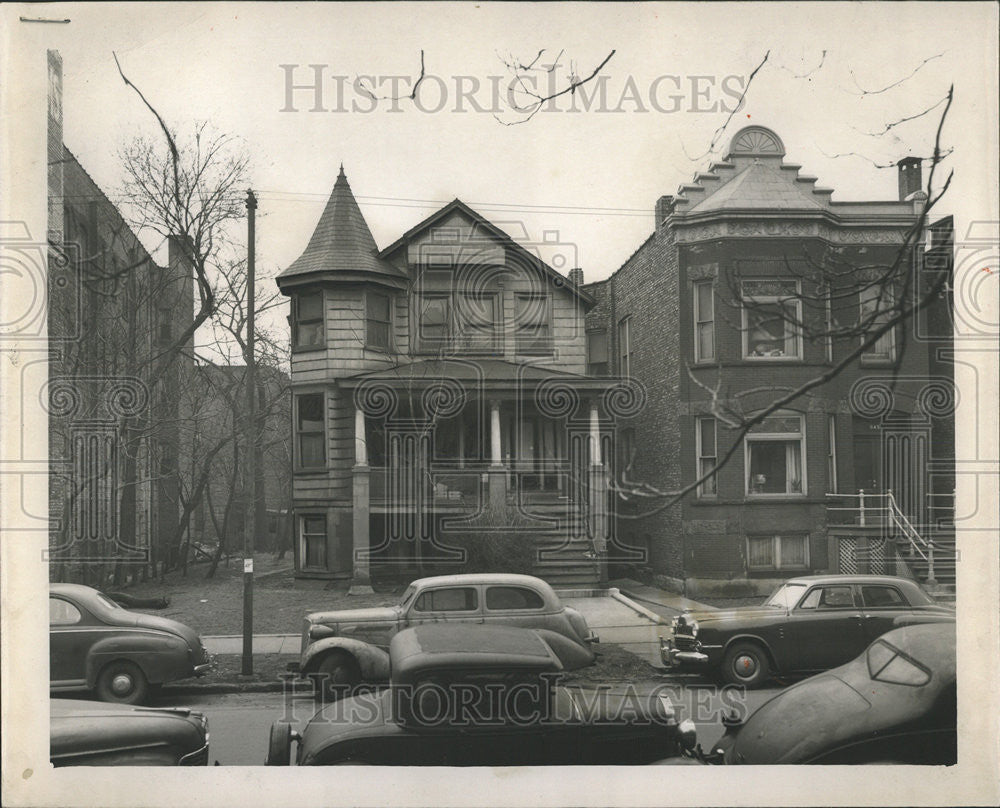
x: 688, y: 733
x: 693, y: 625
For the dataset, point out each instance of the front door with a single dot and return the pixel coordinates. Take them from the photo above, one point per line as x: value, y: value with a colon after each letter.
x: 69, y: 641
x: 825, y: 630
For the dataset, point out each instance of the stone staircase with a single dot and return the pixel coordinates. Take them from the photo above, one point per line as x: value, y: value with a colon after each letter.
x: 568, y: 564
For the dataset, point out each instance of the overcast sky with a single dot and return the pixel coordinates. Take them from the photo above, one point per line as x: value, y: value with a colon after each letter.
x: 594, y: 175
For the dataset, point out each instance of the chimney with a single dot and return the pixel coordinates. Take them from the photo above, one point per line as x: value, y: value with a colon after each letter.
x: 575, y: 276
x: 664, y: 207
x: 909, y: 177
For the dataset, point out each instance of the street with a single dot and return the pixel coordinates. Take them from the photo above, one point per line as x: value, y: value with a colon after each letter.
x: 239, y: 723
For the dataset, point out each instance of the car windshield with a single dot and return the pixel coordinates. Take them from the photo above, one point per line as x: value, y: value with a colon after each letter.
x: 407, y: 595
x: 786, y: 596
x: 886, y: 663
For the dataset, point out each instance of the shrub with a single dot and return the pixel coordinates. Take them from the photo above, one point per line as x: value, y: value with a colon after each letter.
x: 499, y: 540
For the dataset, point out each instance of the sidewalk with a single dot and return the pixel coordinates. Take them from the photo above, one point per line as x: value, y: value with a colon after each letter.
x: 666, y: 605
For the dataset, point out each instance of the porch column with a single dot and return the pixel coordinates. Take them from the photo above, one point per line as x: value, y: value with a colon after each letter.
x: 497, y: 472
x: 361, y: 579
x: 598, y: 481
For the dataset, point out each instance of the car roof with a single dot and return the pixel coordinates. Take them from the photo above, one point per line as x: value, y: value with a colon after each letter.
x: 851, y: 579
x: 440, y: 645
x: 472, y: 579
x: 79, y: 590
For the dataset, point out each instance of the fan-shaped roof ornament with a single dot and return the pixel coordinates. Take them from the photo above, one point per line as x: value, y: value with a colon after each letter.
x: 756, y: 141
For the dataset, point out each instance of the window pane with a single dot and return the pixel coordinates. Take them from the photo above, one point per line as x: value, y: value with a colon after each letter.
x: 433, y: 318
x: 768, y: 471
x: 770, y: 287
x: 762, y: 552
x: 309, y: 334
x: 705, y: 465
x: 836, y: 597
x: 512, y: 597
x: 310, y: 307
x: 378, y: 334
x: 704, y: 301
x: 707, y: 429
x: 706, y: 341
x: 531, y: 309
x: 876, y: 596
x: 378, y: 306
x: 597, y: 346
x: 311, y: 412
x: 447, y: 600
x: 779, y: 424
x: 311, y: 450
x: 63, y: 613
x: 793, y: 551
x: 768, y: 331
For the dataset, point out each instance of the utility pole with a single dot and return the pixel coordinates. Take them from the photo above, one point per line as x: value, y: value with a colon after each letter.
x: 249, y: 535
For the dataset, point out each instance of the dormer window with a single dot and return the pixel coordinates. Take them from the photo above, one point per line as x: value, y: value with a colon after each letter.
x: 307, y: 321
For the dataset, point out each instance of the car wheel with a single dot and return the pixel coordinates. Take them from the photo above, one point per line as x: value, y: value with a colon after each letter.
x: 746, y: 664
x: 279, y: 745
x: 122, y: 682
x: 335, y: 675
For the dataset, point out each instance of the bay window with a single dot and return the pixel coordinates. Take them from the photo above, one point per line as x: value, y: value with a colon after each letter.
x: 307, y: 321
x: 774, y: 451
x: 876, y: 311
x: 378, y: 321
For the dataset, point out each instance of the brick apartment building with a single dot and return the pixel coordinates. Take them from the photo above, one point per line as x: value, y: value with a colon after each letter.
x: 857, y: 474
x: 115, y: 495
x: 440, y: 388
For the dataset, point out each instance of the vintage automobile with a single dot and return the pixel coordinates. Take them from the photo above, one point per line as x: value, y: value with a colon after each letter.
x: 474, y: 695
x: 96, y: 644
x: 896, y: 703
x: 808, y: 624
x: 90, y: 733
x: 343, y: 648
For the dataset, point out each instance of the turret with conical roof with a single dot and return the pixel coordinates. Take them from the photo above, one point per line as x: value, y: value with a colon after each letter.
x: 342, y: 247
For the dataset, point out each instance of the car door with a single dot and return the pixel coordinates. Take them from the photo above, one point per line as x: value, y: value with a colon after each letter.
x: 882, y: 604
x: 446, y: 603
x: 825, y: 629
x: 69, y: 642
x: 507, y: 605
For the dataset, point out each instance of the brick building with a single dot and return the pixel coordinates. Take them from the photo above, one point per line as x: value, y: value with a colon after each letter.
x: 756, y: 281
x: 116, y: 442
x: 440, y: 389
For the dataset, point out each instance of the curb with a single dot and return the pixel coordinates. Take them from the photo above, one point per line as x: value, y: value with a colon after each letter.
x: 624, y: 598
x: 214, y: 688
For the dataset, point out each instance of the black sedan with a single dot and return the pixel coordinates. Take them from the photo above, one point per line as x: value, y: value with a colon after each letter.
x: 808, y: 624
x: 96, y: 644
x: 89, y: 733
x: 467, y: 695
x: 896, y: 703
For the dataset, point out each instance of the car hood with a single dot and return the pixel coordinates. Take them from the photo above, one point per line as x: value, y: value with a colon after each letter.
x: 81, y: 727
x: 365, y: 715
x: 800, y: 722
x: 740, y: 615
x: 373, y: 614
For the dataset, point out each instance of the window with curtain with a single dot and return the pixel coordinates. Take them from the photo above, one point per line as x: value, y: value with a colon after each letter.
x: 777, y: 552
x: 774, y: 452
x: 771, y: 310
x: 876, y: 311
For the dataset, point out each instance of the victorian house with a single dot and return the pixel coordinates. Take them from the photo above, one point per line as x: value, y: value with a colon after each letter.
x: 441, y: 393
x: 753, y: 284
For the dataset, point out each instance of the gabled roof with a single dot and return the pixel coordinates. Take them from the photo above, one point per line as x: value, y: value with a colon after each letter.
x: 341, y: 242
x: 485, y: 225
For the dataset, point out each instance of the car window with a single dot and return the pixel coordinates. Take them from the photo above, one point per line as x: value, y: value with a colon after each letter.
x: 786, y: 596
x: 828, y: 597
x: 886, y: 663
x: 876, y: 596
x: 111, y: 604
x: 453, y: 599
x: 63, y: 613
x: 499, y: 598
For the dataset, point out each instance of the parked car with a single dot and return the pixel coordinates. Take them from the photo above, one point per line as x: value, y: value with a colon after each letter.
x: 893, y: 704
x: 808, y: 624
x: 475, y: 695
x: 97, y: 644
x: 347, y: 647
x: 90, y: 733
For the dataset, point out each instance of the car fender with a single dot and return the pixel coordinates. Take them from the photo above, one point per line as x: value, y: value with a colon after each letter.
x: 373, y: 662
x: 162, y: 657
x: 746, y: 637
x: 571, y: 654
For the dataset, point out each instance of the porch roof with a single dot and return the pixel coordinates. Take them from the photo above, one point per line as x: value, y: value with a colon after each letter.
x: 496, y: 375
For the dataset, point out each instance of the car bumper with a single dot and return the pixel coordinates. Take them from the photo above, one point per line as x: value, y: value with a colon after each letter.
x: 674, y: 657
x: 201, y: 670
